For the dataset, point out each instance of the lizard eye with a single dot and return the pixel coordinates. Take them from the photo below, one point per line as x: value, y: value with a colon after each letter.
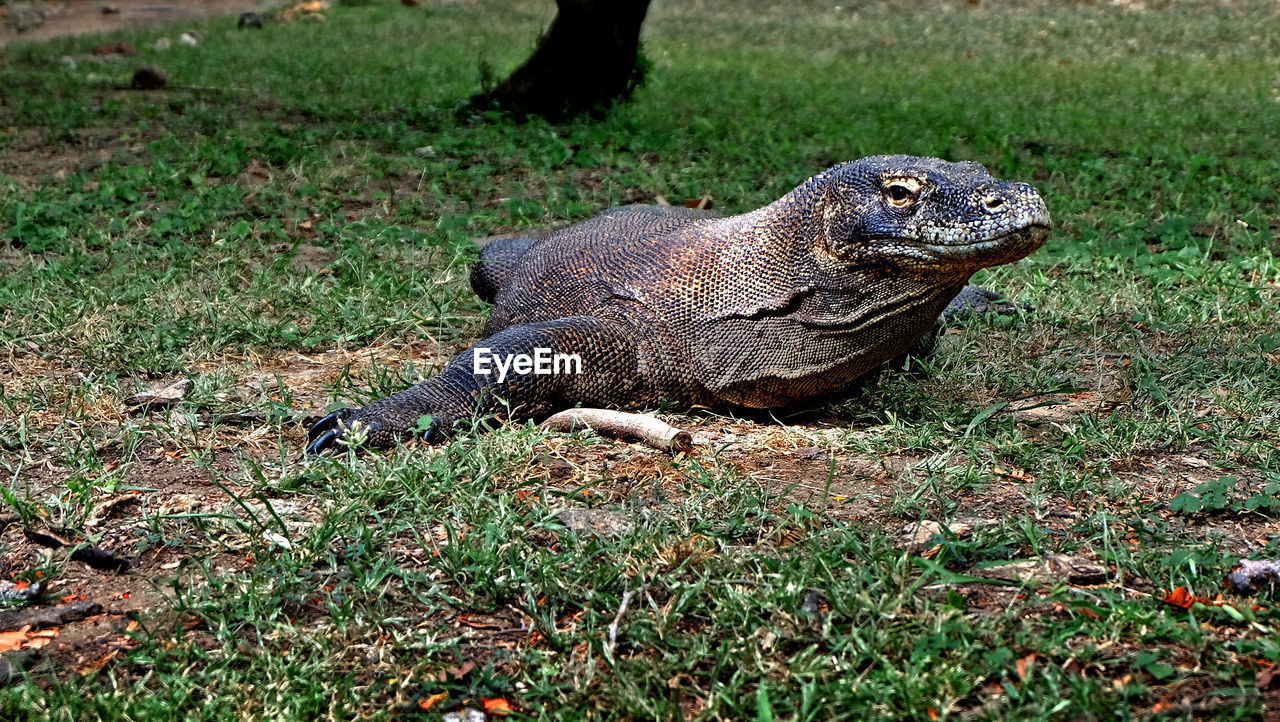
x: 901, y: 194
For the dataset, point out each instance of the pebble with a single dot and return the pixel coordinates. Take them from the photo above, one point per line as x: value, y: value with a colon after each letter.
x: 599, y: 522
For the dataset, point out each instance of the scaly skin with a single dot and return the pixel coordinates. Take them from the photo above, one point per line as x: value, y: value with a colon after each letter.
x: 786, y: 303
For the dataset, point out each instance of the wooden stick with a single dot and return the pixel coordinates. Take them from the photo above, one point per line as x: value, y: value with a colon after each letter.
x: 620, y: 425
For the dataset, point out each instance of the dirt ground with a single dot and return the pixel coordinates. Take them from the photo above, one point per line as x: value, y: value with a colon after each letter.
x: 24, y: 20
x: 798, y: 463
x: 107, y: 605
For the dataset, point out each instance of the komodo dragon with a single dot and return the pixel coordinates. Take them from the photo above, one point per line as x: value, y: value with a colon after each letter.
x: 849, y: 270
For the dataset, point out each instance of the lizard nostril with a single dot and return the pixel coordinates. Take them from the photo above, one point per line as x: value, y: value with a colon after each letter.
x: 992, y: 202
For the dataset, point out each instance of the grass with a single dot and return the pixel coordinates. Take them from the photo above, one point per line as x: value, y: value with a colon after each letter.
x: 289, y: 225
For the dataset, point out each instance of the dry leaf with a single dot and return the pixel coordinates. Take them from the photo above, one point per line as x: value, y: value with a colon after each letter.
x: 105, y: 508
x: 1180, y: 597
x: 496, y: 706
x: 25, y: 638
x: 94, y: 665
x: 429, y: 702
x: 10, y: 641
x: 1024, y: 665
x: 458, y: 672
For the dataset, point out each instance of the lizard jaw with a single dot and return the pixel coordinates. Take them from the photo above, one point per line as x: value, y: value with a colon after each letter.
x: 1005, y: 248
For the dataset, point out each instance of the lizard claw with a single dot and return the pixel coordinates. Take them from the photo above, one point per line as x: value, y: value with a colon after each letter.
x: 354, y: 425
x: 434, y: 433
x: 326, y: 432
x: 322, y: 442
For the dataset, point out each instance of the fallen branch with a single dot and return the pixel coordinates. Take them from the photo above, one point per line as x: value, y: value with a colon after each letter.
x: 43, y: 618
x: 91, y: 555
x: 257, y: 418
x: 619, y: 425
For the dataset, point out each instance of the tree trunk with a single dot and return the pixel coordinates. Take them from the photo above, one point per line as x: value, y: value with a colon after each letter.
x: 586, y: 61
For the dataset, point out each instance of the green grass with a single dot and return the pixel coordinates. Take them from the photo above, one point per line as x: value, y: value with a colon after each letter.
x: 153, y: 235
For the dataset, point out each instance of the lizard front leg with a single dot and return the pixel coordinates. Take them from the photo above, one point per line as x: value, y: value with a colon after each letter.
x: 530, y: 369
x: 974, y: 300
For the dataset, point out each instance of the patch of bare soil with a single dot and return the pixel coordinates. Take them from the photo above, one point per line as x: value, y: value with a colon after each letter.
x: 22, y: 20
x: 130, y: 532
x: 31, y: 160
x: 307, y: 377
x: 798, y: 464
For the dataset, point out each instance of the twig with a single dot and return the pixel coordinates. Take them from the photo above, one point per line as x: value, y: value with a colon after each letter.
x: 644, y: 427
x: 91, y: 555
x: 617, y: 619
x: 254, y: 418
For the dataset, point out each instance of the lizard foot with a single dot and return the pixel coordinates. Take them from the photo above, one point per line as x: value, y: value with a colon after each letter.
x: 347, y: 423
x: 979, y: 301
x: 327, y: 431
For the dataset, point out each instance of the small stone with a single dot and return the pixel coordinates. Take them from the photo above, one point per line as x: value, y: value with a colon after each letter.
x: 68, y: 62
x: 23, y: 19
x: 188, y: 39
x: 9, y: 592
x: 917, y: 536
x: 250, y: 20
x: 162, y: 44
x: 426, y: 151
x: 599, y: 522
x: 160, y: 396
x: 1253, y: 571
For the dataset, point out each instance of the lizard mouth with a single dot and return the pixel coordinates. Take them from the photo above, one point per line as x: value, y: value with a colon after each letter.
x: 1005, y: 248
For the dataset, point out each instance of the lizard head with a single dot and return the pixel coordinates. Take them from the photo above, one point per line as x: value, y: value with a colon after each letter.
x: 929, y: 216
